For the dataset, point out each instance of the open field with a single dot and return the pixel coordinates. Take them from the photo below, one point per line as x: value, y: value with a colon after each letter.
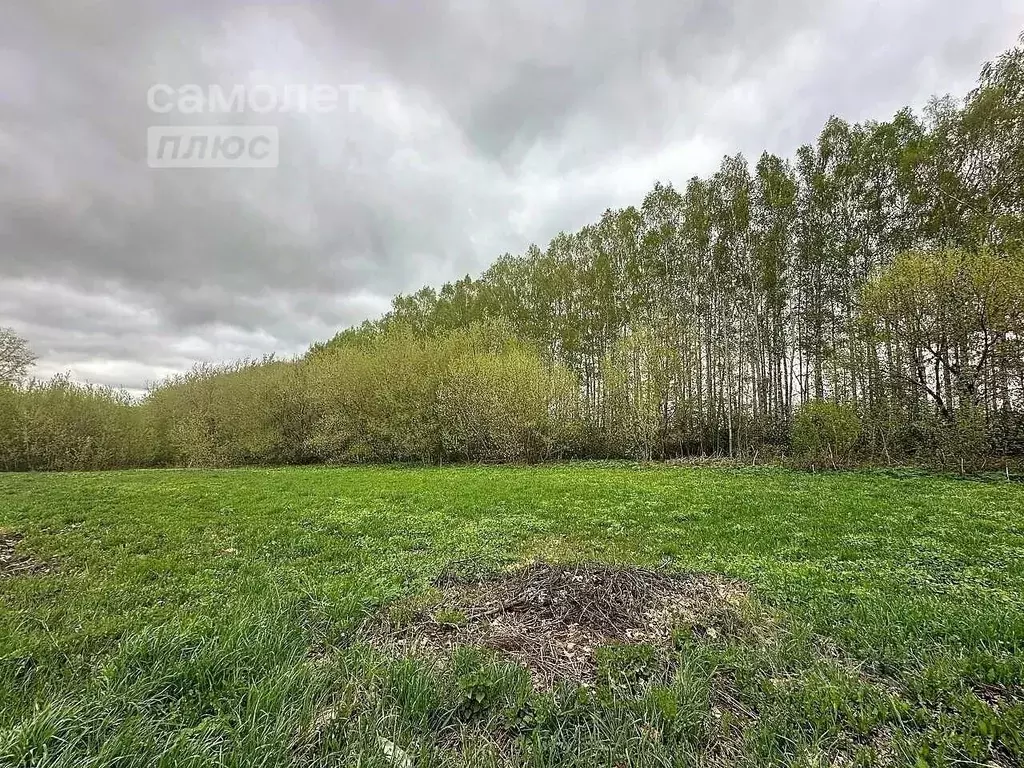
x: 182, y: 618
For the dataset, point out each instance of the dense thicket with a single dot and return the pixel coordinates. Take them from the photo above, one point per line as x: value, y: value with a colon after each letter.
x: 60, y: 425
x: 864, y: 299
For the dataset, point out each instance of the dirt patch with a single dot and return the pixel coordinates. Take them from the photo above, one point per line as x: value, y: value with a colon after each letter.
x: 14, y: 564
x: 999, y: 697
x: 554, y: 618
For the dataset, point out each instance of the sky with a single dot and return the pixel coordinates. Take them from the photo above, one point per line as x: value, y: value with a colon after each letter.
x: 462, y: 130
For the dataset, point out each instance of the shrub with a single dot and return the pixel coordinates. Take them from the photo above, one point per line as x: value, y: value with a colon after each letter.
x: 376, y: 401
x: 510, y: 405
x: 59, y: 425
x: 825, y: 432
x: 253, y: 412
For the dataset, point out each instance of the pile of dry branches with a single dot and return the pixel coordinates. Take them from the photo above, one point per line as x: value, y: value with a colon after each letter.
x: 552, y: 618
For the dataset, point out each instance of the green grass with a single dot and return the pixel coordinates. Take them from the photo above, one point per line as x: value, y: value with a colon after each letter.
x: 210, y: 618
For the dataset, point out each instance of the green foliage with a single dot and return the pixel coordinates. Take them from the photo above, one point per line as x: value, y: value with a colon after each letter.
x: 628, y: 668
x: 960, y: 443
x: 479, y: 693
x: 508, y: 405
x: 960, y: 316
x: 825, y: 433
x: 247, y: 413
x: 450, y: 617
x: 61, y: 425
x: 377, y: 401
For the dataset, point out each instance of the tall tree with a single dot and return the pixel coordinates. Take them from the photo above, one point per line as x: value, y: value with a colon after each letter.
x: 15, y: 357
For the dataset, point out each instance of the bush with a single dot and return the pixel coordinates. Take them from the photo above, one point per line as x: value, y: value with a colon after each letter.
x: 510, y: 405
x: 825, y: 433
x: 473, y: 394
x: 960, y: 443
x: 59, y: 425
x: 376, y: 401
x: 243, y: 414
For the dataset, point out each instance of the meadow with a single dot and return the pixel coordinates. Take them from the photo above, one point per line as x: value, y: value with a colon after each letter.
x: 202, y: 618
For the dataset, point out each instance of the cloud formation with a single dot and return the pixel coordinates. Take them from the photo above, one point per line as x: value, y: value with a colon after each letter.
x: 470, y: 129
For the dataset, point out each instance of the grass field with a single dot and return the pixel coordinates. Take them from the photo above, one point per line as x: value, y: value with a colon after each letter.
x: 213, y: 618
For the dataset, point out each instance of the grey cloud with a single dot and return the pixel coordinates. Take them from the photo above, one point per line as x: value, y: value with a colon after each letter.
x: 479, y: 127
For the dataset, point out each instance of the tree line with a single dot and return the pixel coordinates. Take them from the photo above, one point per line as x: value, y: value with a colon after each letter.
x: 862, y: 300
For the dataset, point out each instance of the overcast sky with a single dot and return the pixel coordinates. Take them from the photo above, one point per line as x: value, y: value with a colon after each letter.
x: 467, y: 129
